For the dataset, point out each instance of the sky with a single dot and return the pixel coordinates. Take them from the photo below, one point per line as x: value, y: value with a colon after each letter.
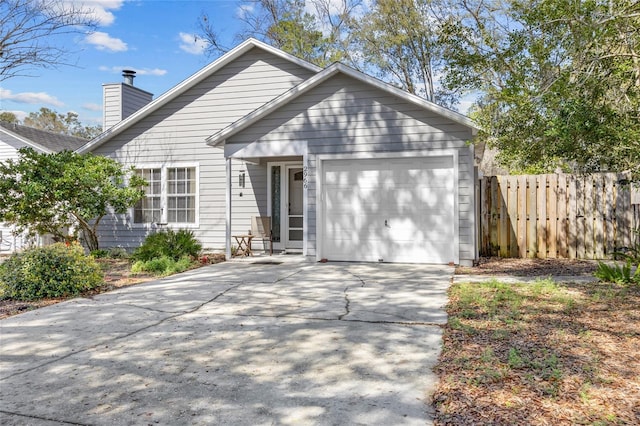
x: 156, y: 38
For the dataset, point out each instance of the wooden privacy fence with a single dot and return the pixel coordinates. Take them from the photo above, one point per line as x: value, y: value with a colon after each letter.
x: 557, y: 215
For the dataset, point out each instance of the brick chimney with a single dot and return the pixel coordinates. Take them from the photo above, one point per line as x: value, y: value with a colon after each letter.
x: 120, y: 100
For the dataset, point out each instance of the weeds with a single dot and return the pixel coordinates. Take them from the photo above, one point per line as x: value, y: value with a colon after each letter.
x: 620, y: 274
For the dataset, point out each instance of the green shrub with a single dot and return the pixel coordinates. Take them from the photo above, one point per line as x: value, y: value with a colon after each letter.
x: 53, y: 271
x: 620, y: 274
x: 118, y: 253
x: 163, y: 265
x: 100, y: 253
x: 169, y: 243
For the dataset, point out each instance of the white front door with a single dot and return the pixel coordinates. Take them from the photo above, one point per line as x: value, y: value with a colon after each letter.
x: 286, y: 205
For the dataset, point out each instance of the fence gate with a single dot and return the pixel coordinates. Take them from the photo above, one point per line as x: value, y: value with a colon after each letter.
x: 557, y: 215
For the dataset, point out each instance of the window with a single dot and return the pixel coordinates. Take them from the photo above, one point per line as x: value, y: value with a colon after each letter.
x: 170, y: 197
x: 148, y: 209
x: 181, y: 195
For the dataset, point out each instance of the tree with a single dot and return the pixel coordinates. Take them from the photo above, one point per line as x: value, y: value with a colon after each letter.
x: 8, y: 117
x: 559, y: 81
x: 52, y: 121
x: 61, y: 192
x: 27, y: 31
x: 317, y: 34
x: 400, y: 38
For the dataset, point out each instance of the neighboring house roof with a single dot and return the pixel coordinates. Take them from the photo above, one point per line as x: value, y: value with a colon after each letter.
x: 190, y: 82
x: 219, y: 138
x: 20, y: 136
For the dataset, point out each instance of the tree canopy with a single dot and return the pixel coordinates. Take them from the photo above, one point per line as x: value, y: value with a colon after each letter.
x: 558, y: 80
x: 556, y: 83
x: 50, y: 120
x: 63, y: 193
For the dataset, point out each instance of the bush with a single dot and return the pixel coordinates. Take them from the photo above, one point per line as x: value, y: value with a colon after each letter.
x: 163, y: 265
x: 100, y: 253
x: 617, y: 273
x: 53, y: 271
x: 169, y: 243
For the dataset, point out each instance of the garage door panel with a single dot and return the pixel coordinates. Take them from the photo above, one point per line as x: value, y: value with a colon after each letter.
x: 395, y: 210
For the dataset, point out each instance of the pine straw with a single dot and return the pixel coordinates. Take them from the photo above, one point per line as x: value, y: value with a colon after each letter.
x: 540, y: 354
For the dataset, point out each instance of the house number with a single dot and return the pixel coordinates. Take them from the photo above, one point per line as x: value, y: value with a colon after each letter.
x: 305, y: 175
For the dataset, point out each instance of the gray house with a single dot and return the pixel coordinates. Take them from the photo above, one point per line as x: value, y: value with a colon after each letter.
x: 12, y: 138
x: 347, y: 167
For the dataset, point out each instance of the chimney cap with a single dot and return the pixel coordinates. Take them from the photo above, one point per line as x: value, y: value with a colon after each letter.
x: 128, y: 75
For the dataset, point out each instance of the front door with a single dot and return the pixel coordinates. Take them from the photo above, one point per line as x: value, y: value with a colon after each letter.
x: 294, y: 208
x: 286, y: 205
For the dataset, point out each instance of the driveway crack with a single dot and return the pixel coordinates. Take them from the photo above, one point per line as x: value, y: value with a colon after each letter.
x: 346, y: 305
x: 43, y: 418
x: 346, y: 296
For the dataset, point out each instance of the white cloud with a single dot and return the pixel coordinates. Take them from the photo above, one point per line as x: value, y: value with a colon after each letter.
x: 92, y: 107
x: 35, y: 98
x: 117, y: 69
x: 193, y: 44
x: 104, y: 41
x: 244, y: 10
x: 153, y: 71
x: 100, y: 10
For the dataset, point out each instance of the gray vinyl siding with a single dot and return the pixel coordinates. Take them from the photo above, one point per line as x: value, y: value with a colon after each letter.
x: 8, y: 151
x: 120, y: 101
x: 346, y: 116
x: 176, y: 133
x: 133, y: 99
x: 112, y: 106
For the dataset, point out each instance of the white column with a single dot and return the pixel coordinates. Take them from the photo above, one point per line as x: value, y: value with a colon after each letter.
x: 228, y: 209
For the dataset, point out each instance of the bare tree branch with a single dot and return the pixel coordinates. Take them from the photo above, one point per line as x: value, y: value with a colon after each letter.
x: 27, y: 30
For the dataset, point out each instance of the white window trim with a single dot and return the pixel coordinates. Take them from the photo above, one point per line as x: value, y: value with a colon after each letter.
x: 164, y: 197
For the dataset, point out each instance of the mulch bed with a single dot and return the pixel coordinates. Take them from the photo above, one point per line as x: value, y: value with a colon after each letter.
x: 529, y: 267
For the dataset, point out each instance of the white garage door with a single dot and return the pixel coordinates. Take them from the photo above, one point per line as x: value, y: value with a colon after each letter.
x: 389, y: 210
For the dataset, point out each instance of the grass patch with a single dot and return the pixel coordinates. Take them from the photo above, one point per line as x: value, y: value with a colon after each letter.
x: 565, y: 352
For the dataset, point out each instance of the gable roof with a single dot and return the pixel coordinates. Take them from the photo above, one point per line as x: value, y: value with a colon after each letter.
x: 190, y: 82
x: 41, y: 140
x: 219, y: 138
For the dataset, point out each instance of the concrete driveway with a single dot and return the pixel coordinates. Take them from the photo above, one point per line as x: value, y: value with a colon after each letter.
x: 234, y: 344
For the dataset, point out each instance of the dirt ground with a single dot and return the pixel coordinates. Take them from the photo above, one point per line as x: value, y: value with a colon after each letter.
x: 540, y: 354
x: 530, y: 267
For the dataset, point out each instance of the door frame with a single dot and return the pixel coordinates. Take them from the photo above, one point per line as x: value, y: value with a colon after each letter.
x: 283, y: 244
